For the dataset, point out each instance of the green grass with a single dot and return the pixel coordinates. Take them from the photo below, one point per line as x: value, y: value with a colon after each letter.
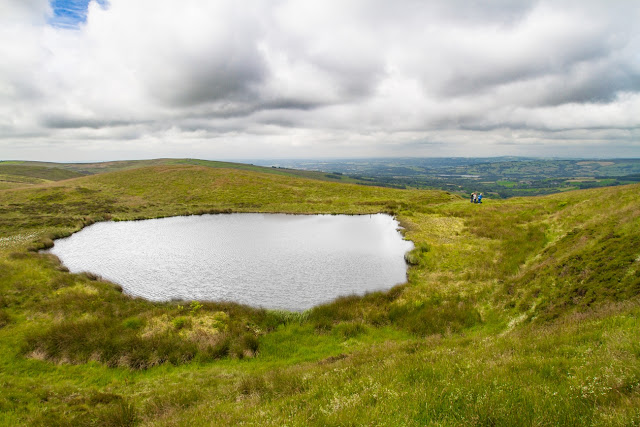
x: 59, y: 171
x: 37, y: 172
x: 516, y: 312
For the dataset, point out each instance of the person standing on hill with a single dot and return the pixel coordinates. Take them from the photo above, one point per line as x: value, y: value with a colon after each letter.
x: 480, y: 198
x: 473, y: 197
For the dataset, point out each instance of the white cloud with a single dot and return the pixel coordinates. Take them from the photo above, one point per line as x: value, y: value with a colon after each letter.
x: 305, y: 78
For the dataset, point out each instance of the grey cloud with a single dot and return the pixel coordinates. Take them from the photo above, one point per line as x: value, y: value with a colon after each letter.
x: 598, y: 88
x: 323, y: 77
x: 225, y: 76
x: 290, y: 104
x: 69, y: 122
x: 486, y: 75
x: 498, y: 11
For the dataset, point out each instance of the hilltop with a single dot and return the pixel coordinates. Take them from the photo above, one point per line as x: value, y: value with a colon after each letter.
x: 24, y: 173
x: 521, y: 311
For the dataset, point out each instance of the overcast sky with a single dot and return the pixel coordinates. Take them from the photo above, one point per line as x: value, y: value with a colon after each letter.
x: 133, y: 79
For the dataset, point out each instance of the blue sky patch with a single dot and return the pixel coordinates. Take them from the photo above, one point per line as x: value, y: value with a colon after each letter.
x: 71, y: 13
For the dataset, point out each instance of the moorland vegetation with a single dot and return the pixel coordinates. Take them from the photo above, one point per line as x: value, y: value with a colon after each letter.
x: 515, y: 312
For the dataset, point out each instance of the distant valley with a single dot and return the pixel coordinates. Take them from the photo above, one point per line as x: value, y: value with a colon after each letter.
x: 497, y: 177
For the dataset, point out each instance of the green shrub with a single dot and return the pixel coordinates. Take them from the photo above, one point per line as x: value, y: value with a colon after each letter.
x: 181, y: 322
x: 194, y: 307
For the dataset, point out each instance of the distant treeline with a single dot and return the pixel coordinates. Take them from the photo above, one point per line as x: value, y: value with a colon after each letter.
x: 633, y: 177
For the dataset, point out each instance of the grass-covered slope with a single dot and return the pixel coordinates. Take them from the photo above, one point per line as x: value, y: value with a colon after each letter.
x: 183, y: 190
x: 518, y: 312
x: 39, y: 172
x: 18, y: 175
x: 138, y: 334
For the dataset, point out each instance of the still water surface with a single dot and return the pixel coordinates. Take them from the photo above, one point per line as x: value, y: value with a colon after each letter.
x: 291, y: 262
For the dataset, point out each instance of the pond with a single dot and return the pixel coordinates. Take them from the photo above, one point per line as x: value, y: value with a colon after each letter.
x: 275, y: 261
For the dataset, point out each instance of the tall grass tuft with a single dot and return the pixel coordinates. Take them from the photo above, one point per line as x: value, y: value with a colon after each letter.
x: 436, y: 317
x: 122, y: 414
x: 416, y: 255
x: 5, y: 319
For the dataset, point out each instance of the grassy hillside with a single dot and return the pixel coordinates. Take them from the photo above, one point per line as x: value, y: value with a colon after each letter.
x: 14, y: 175
x: 48, y: 171
x: 518, y: 312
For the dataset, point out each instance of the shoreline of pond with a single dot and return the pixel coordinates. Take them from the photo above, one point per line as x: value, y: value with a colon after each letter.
x: 398, y: 227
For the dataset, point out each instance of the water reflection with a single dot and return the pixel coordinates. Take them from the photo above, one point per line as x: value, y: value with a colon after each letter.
x: 281, y: 261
